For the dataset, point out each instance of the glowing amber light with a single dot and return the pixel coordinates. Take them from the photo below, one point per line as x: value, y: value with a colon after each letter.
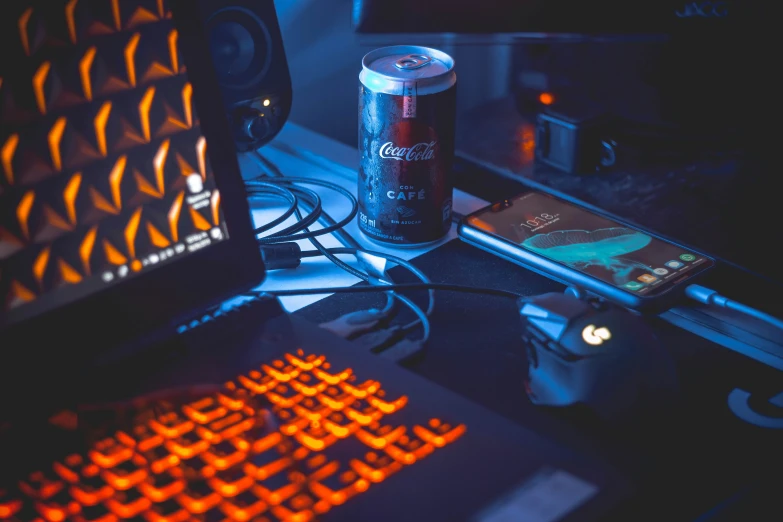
x: 39, y: 80
x: 144, y: 112
x: 68, y: 273
x: 115, y: 11
x: 201, y: 152
x: 187, y: 100
x: 156, y: 236
x: 7, y: 156
x: 40, y: 264
x: 70, y: 7
x: 55, y: 137
x: 546, y: 98
x: 225, y: 434
x: 130, y: 57
x: 113, y: 255
x: 23, y: 212
x: 158, y: 164
x: 69, y: 196
x: 173, y: 216
x: 101, y: 119
x: 173, y: 50
x: 131, y: 230
x: 23, y: 21
x: 85, y: 248
x: 85, y: 65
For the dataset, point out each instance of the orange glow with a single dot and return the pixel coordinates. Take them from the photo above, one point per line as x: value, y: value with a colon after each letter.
x: 131, y: 229
x: 23, y: 212
x: 115, y: 11
x: 40, y: 264
x: 223, y: 432
x: 136, y: 265
x: 173, y: 51
x: 69, y: 196
x: 144, y: 112
x: 156, y: 236
x: 546, y: 98
x: 187, y: 100
x: 130, y: 55
x: 23, y: 21
x: 85, y: 248
x: 115, y: 182
x: 101, y: 119
x: 113, y: 255
x: 161, y: 13
x: 159, y: 164
x: 7, y: 156
x: 39, y: 80
x: 214, y: 202
x: 20, y: 292
x: 55, y: 137
x: 70, y: 7
x: 173, y: 216
x: 85, y: 64
x: 201, y: 152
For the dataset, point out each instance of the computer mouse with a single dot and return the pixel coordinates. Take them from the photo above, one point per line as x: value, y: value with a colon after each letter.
x: 591, y: 352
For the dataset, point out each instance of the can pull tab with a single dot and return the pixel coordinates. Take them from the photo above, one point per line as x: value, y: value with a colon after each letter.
x: 412, y: 61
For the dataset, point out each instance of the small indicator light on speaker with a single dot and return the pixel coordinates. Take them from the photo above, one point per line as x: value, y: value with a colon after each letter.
x: 546, y: 98
x: 267, y: 102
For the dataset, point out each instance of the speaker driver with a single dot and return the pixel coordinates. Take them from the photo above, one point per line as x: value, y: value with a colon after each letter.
x: 241, y: 47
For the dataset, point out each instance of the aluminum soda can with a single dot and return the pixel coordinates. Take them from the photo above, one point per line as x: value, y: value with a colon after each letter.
x: 407, y: 108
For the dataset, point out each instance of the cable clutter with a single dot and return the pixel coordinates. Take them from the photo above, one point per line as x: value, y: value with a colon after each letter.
x: 371, y: 329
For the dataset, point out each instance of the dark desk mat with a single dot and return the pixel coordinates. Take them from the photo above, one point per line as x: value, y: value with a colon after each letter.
x: 687, y: 457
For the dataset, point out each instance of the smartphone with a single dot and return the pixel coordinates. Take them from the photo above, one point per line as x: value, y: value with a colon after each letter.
x: 579, y: 247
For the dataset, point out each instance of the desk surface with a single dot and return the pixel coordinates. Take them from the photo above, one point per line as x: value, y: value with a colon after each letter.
x: 687, y: 459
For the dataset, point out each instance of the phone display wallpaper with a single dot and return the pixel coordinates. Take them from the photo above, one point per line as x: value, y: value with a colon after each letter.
x: 591, y: 244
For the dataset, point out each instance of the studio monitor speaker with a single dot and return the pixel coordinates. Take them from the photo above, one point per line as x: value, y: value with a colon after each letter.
x: 250, y: 62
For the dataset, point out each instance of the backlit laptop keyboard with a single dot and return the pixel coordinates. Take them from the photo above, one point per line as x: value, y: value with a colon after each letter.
x: 329, y: 437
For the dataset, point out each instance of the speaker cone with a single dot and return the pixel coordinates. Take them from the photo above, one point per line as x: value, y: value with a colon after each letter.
x: 240, y: 45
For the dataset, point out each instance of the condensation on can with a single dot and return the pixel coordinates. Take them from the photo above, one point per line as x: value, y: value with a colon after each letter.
x: 407, y: 105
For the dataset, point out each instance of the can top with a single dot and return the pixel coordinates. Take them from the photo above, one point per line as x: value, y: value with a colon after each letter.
x: 390, y: 69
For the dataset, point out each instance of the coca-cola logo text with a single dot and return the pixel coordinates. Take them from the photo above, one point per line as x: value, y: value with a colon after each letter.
x: 420, y: 152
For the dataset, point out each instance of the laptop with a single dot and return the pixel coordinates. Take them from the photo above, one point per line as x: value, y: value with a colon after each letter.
x: 128, y: 391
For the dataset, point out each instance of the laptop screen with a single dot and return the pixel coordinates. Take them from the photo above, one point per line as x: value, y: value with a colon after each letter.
x: 104, y: 173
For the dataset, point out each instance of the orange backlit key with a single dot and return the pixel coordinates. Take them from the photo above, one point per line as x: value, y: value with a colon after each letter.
x: 360, y: 391
x: 305, y: 363
x: 167, y: 511
x: 187, y: 445
x: 198, y: 498
x: 335, y: 398
x: 223, y: 456
x: 96, y: 513
x: 257, y: 439
x: 363, y: 412
x: 230, y: 483
x: 269, y: 463
x: 441, y: 435
x: 91, y: 489
x: 280, y: 487
x: 109, y: 452
x: 289, y: 422
x: 407, y: 450
x: 204, y: 411
x: 171, y: 425
x: 41, y: 485
x: 378, y: 436
x: 244, y: 507
x: 308, y: 385
x: 9, y: 506
x: 128, y: 504
x: 375, y: 467
x: 298, y: 508
x: 160, y: 458
x: 161, y: 487
x: 280, y: 371
x: 388, y: 407
x: 69, y: 469
x: 126, y: 474
x: 334, y: 484
x: 58, y: 507
x: 141, y: 437
x: 332, y: 378
x: 284, y: 396
x: 311, y: 409
x: 257, y: 382
x: 315, y: 437
x: 226, y: 427
x: 233, y: 397
x: 339, y: 425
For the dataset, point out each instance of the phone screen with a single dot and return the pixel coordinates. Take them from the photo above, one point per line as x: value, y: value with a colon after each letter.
x: 594, y: 245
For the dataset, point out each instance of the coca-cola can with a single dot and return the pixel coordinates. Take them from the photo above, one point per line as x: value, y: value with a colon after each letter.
x: 407, y: 106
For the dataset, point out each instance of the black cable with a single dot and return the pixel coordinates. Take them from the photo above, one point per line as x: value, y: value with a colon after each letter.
x: 385, y: 288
